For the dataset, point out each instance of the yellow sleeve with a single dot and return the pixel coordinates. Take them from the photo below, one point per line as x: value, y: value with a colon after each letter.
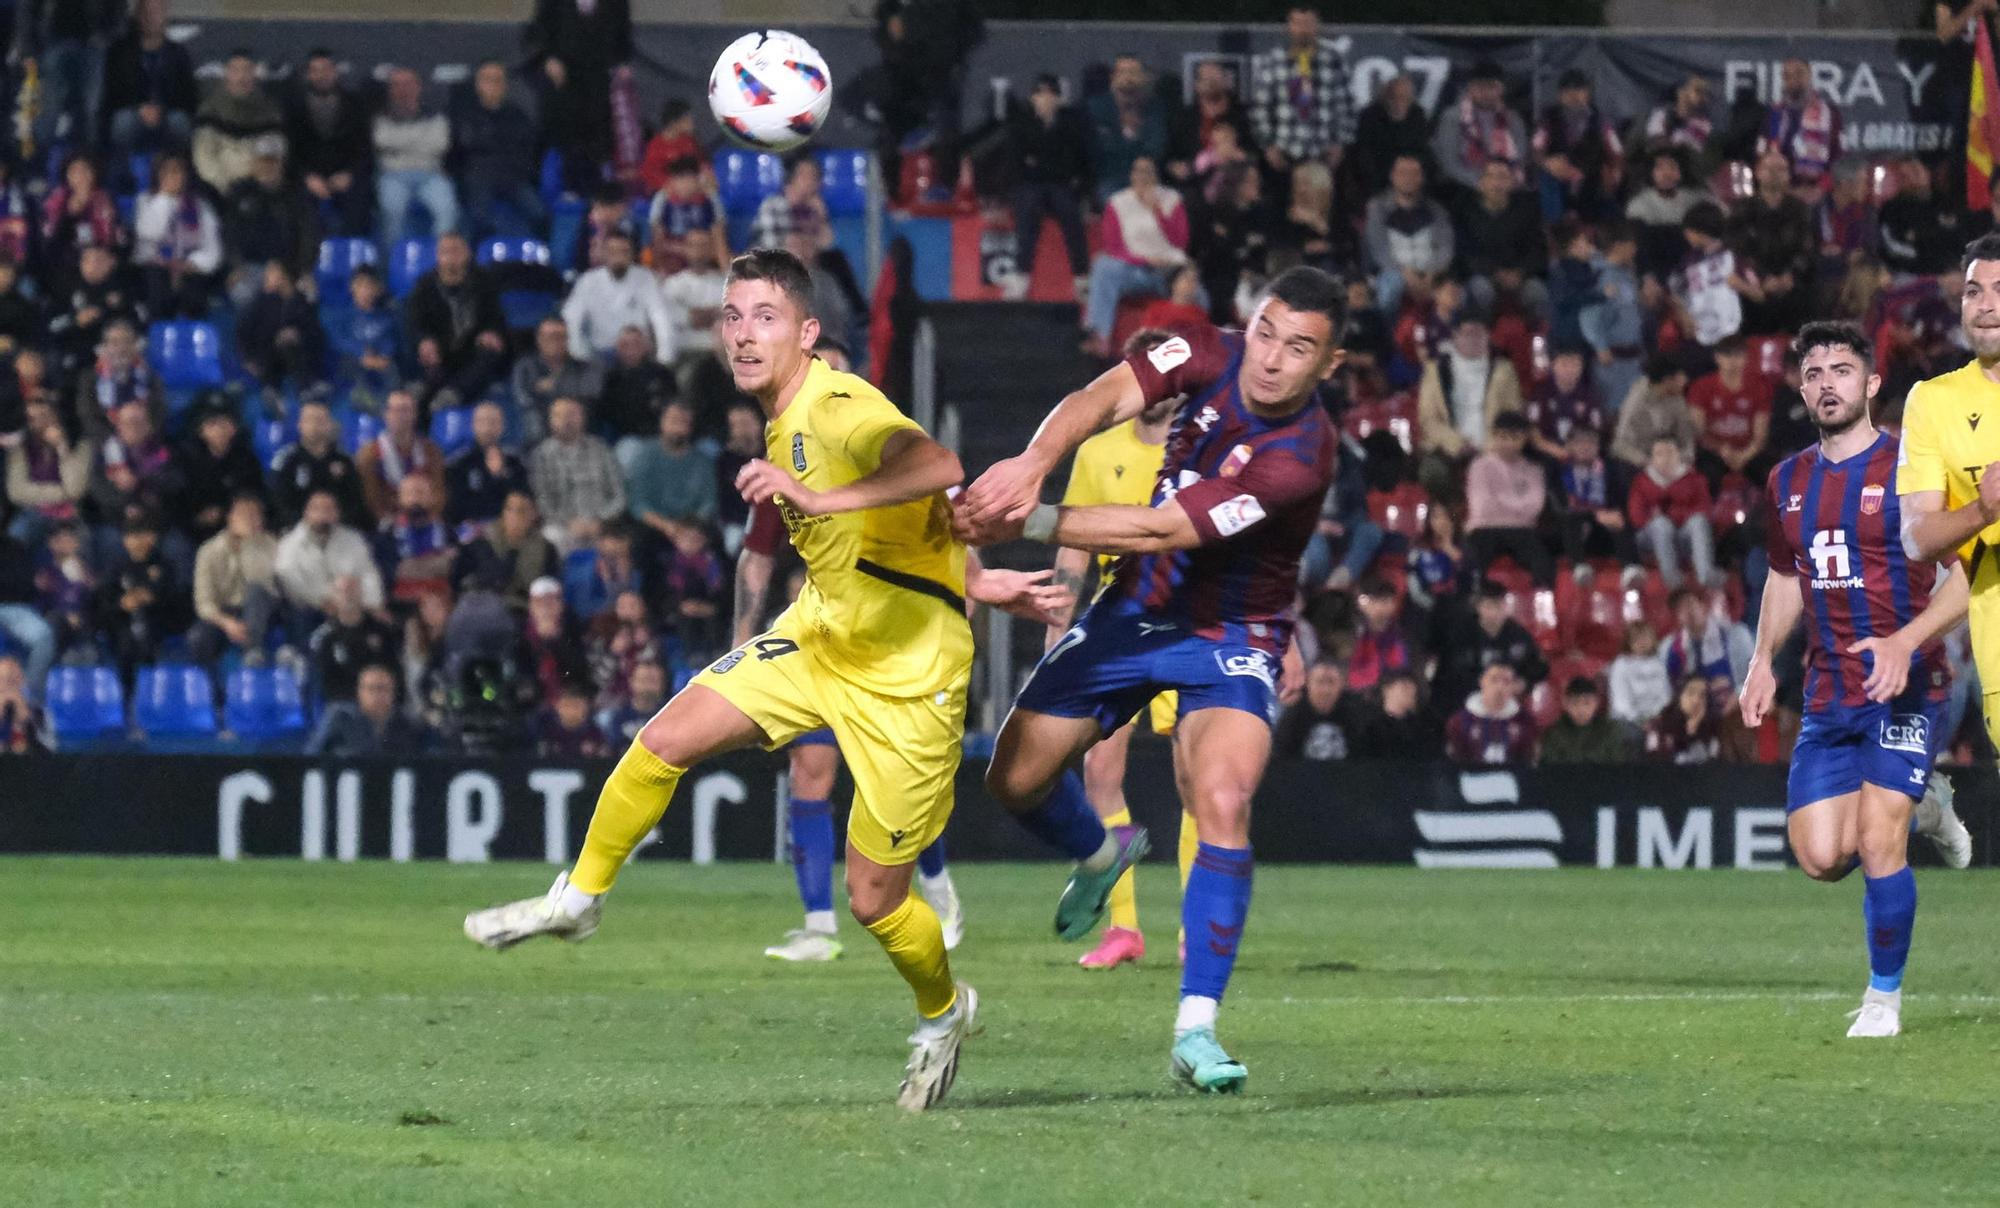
x: 1920, y: 459
x: 860, y: 424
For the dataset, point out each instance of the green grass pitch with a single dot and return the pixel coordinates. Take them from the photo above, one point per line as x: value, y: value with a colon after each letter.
x: 189, y: 1032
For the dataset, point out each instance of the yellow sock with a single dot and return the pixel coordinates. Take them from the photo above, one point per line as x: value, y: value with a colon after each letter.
x: 1189, y: 841
x: 634, y: 797
x: 910, y: 934
x: 1124, y: 903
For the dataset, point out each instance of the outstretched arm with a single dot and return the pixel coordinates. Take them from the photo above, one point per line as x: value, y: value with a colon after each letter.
x: 1011, y: 488
x: 913, y: 466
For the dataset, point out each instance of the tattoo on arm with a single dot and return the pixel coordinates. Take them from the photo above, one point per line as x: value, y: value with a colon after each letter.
x: 1072, y: 579
x: 752, y: 591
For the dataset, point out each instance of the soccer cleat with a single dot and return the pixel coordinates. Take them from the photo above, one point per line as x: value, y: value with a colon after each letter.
x: 933, y: 1063
x: 501, y: 927
x: 1088, y: 893
x: 1939, y: 822
x: 943, y: 898
x: 1119, y: 945
x: 1881, y: 1014
x: 1199, y: 1062
x: 802, y: 945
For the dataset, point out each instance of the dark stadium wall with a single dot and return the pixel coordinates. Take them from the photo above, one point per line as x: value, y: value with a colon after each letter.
x: 471, y: 811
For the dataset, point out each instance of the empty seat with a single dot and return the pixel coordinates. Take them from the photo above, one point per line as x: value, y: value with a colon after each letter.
x: 186, y: 353
x: 358, y: 430
x: 264, y: 703
x: 408, y: 260
x: 845, y: 174
x: 174, y: 701
x: 109, y: 694
x: 338, y: 258
x: 451, y: 428
x: 75, y: 711
x: 507, y: 250
x: 269, y: 438
x: 744, y: 178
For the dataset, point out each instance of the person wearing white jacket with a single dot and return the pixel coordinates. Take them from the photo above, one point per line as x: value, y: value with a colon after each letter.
x: 177, y: 242
x: 318, y: 551
x: 618, y: 294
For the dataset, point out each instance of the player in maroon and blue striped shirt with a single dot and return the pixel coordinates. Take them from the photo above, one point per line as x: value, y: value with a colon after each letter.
x: 1876, y: 675
x: 1201, y: 604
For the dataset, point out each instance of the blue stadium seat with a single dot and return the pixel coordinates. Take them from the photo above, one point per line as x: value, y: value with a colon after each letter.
x: 409, y: 260
x: 451, y: 428
x: 67, y: 700
x: 142, y: 172
x: 264, y: 703
x: 186, y: 353
x: 846, y: 181
x: 566, y: 220
x: 550, y: 180
x: 338, y: 258
x: 513, y: 251
x: 174, y: 701
x: 109, y: 695
x: 269, y: 438
x: 357, y: 430
x: 745, y: 178
x: 525, y: 308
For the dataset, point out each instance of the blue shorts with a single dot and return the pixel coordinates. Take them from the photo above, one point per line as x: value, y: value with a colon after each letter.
x: 815, y: 738
x: 1893, y: 746
x: 1118, y: 657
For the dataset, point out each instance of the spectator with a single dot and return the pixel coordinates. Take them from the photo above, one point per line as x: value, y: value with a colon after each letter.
x: 1655, y: 408
x: 333, y: 146
x: 1732, y: 417
x: 217, y: 466
x: 745, y: 444
x: 20, y: 619
x: 671, y: 483
x: 1310, y: 233
x: 120, y: 376
x: 1478, y: 129
x: 1682, y: 125
x: 1052, y: 158
x: 1325, y: 723
x: 1705, y: 643
x: 136, y: 472
x: 1391, y: 126
x: 1922, y: 234
x: 499, y: 169
x: 370, y: 725
x: 321, y: 550
x: 1660, y: 211
x: 1344, y: 544
x: 1181, y: 308
x: 622, y: 721
x: 413, y: 546
x: 1802, y: 127
x: 695, y: 585
x: 1593, y: 519
x: 1215, y: 106
x: 141, y: 602
x: 1572, y: 280
x: 1402, y: 728
x: 410, y: 150
x: 479, y: 480
x: 797, y: 211
x: 553, y: 650
x: 23, y: 320
x: 1220, y: 161
x: 511, y: 554
x: 595, y: 577
x: 456, y: 326
x: 606, y: 300
x: 1583, y: 734
x: 267, y: 217
x: 235, y: 585
x: 1639, y: 684
x: 576, y: 46
x: 1581, y: 159
x: 1488, y: 635
x: 576, y: 478
x: 77, y: 214
x: 1504, y: 495
x: 673, y: 140
x: 350, y: 639
x: 549, y: 373
x: 1706, y: 303
x: 177, y: 243
x: 1144, y: 237
x: 1687, y: 731
x: 1385, y: 644
x: 400, y: 451
x: 1561, y: 403
x: 1613, y: 325
x: 1501, y: 247
x: 1463, y: 393
x: 65, y: 40
x: 1232, y: 246
x: 1408, y: 237
x: 316, y: 463
x: 48, y: 472
x: 1669, y: 512
x: 618, y: 640
x: 279, y: 337
x: 366, y: 342
x: 149, y: 90
x: 1771, y: 233
x: 231, y: 122
x: 689, y: 230
x: 565, y: 730
x: 23, y: 729
x: 1128, y: 122
x: 1848, y: 229
x: 636, y: 389
x: 92, y: 298
x: 1301, y: 103
x: 1492, y: 730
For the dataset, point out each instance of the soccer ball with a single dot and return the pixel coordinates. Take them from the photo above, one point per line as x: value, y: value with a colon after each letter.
x: 770, y: 90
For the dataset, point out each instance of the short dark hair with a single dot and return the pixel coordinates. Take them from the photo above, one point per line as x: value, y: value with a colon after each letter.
x: 241, y: 52
x: 1663, y: 365
x: 318, y: 52
x: 1706, y: 219
x: 1581, y: 685
x: 1511, y: 421
x: 1730, y: 345
x: 1614, y: 233
x: 673, y: 110
x: 1486, y: 69
x: 1375, y: 585
x: 1304, y: 288
x: 1986, y: 247
x: 1826, y: 333
x: 797, y: 160
x: 781, y: 269
x: 1574, y: 77
x: 1048, y: 80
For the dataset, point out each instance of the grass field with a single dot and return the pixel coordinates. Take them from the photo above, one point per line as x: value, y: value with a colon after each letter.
x: 189, y: 1032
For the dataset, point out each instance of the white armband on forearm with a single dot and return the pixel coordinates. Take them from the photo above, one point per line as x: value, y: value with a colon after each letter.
x: 1041, y: 523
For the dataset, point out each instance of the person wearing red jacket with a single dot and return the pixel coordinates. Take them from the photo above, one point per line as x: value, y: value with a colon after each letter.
x: 1668, y: 506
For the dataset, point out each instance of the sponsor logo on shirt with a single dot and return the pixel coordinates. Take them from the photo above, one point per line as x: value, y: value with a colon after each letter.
x: 1207, y: 418
x: 1233, y: 515
x: 1256, y: 665
x: 1170, y: 354
x: 1795, y: 503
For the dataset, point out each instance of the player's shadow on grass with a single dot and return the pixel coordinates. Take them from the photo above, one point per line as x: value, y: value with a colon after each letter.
x: 1285, y: 1100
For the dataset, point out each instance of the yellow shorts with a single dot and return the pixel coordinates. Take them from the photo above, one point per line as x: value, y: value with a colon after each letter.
x: 902, y: 752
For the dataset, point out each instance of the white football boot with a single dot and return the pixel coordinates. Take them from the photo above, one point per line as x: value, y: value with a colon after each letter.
x: 934, y: 1053
x: 500, y: 927
x: 1881, y: 1014
x: 1939, y: 822
x: 804, y: 945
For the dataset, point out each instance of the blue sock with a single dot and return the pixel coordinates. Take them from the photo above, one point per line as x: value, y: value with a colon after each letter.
x: 930, y: 861
x: 1065, y: 820
x: 1889, y: 907
x: 812, y: 852
x: 1213, y: 908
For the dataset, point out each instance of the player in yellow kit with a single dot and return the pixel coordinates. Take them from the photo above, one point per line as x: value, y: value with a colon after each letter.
x: 1949, y: 473
x: 877, y: 648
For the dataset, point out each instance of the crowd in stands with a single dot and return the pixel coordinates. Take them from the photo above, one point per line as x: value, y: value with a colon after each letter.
x: 310, y: 380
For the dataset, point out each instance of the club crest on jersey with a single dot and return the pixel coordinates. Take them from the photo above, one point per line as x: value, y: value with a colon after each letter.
x: 1256, y: 665
x: 1907, y: 732
x: 1233, y: 464
x: 799, y: 452
x: 1871, y: 498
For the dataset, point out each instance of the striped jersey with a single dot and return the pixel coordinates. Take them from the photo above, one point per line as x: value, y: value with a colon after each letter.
x: 1251, y: 484
x: 1838, y: 528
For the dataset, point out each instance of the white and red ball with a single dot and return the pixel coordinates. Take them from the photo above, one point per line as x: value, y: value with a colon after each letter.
x: 770, y: 90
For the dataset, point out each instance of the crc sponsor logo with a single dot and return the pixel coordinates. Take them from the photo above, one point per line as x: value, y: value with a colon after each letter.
x: 1909, y: 732
x: 1256, y: 665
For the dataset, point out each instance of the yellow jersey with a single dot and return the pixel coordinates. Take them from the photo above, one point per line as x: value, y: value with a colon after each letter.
x: 1114, y: 466
x: 883, y: 605
x: 1946, y: 447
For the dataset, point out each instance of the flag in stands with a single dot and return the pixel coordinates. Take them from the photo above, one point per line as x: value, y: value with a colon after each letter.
x: 1982, y: 135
